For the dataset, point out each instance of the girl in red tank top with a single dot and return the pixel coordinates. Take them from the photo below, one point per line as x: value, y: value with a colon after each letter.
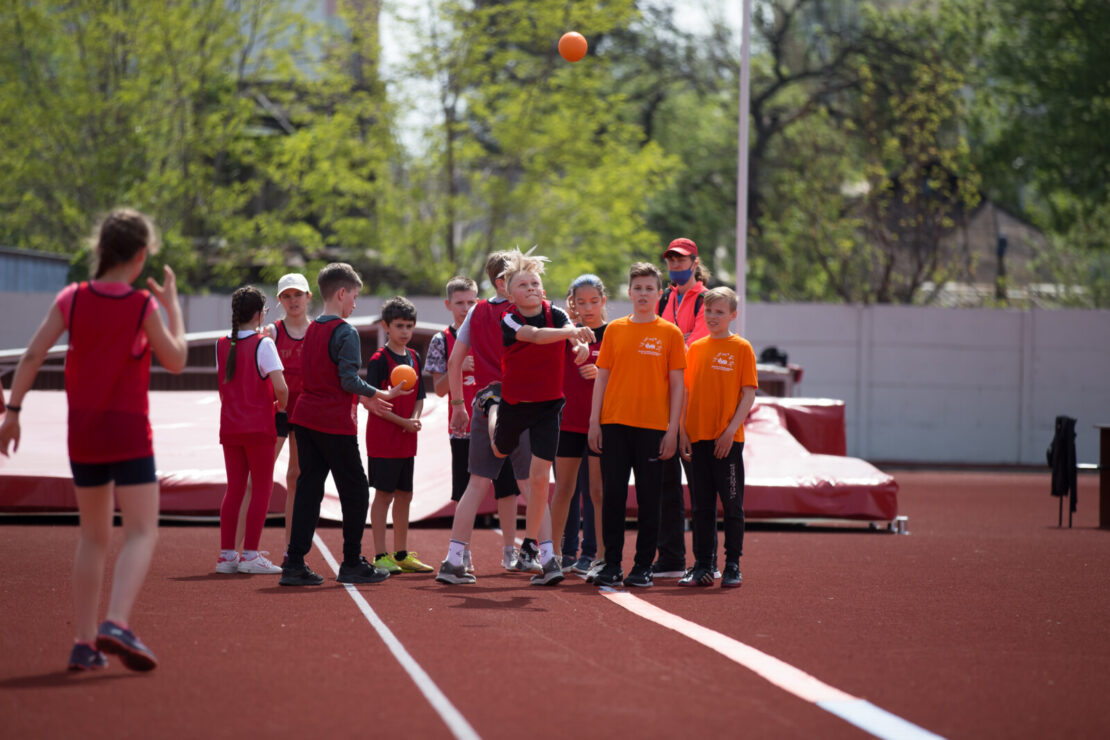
x: 587, y: 297
x: 250, y: 378
x: 112, y: 328
x: 288, y: 334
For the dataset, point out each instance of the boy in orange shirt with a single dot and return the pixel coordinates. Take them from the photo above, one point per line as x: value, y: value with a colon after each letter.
x: 720, y: 382
x: 634, y: 421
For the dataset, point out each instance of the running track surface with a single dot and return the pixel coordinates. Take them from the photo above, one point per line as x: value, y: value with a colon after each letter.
x: 986, y: 621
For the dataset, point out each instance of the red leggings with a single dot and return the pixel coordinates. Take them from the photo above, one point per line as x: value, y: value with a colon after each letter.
x: 258, y: 461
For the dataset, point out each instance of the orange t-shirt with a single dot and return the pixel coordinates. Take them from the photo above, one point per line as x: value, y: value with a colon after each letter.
x: 716, y: 372
x: 639, y: 358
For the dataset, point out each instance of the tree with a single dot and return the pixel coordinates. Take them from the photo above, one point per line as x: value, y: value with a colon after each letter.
x: 531, y: 149
x: 1042, y: 108
x: 103, y: 103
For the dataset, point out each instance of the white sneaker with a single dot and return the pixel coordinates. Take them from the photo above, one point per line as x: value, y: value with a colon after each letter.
x: 228, y: 565
x: 508, y: 555
x: 259, y: 566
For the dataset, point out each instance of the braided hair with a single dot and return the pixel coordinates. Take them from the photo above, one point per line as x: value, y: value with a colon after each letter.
x: 245, y: 303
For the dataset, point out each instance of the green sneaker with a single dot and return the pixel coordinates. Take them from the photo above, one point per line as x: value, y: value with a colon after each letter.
x: 411, y: 564
x: 386, y: 562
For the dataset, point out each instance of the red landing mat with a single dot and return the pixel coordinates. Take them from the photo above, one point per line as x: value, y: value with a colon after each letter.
x: 787, y: 473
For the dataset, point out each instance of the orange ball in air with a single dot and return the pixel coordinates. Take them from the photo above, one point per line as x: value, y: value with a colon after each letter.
x: 404, y: 376
x: 573, y: 46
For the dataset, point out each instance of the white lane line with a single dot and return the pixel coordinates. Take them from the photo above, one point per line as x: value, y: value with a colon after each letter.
x: 454, y: 720
x: 859, y: 712
x: 856, y: 711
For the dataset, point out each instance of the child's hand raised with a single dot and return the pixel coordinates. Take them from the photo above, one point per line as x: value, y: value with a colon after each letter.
x: 167, y: 291
x: 585, y: 334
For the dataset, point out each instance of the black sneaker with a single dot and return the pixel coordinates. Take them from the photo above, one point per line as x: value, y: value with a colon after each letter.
x: 731, y: 578
x: 611, y: 577
x: 639, y: 576
x: 111, y: 638
x: 299, y: 575
x: 699, y: 575
x: 666, y: 570
x: 85, y: 657
x: 361, y: 572
x: 487, y: 397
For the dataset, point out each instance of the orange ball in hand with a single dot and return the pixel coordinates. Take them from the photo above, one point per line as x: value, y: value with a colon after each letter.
x: 573, y: 46
x: 404, y: 376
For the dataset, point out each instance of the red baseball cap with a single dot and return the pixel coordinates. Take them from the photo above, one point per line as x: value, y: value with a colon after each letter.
x: 683, y: 246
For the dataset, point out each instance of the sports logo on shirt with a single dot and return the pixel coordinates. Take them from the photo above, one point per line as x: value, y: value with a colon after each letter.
x: 724, y: 361
x: 651, y: 346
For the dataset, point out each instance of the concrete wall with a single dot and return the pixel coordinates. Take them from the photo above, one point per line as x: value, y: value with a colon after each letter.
x: 949, y: 385
x: 920, y: 384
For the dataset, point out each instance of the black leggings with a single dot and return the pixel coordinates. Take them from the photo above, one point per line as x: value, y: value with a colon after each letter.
x: 321, y: 453
x: 626, y: 449
x: 713, y: 478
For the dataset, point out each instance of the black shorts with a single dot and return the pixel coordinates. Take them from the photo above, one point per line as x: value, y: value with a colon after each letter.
x: 389, y: 474
x: 281, y: 423
x: 573, y: 444
x: 504, y: 485
x: 539, y: 418
x: 460, y: 459
x: 134, y: 472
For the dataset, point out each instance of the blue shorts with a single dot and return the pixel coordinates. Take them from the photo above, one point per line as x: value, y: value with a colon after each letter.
x: 134, y: 472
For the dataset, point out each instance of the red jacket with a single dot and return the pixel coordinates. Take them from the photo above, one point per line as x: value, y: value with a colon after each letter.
x: 689, y: 316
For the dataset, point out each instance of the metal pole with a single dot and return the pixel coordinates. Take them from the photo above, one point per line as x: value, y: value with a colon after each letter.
x: 742, y: 169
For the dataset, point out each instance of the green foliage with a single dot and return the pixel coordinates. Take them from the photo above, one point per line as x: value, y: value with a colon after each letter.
x: 1043, y: 107
x: 261, y: 143
x: 528, y: 149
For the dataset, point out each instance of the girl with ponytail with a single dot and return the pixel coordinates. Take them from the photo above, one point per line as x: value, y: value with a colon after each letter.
x: 252, y: 388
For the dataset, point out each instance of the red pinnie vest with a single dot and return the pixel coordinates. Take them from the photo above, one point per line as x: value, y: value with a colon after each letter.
x: 247, y: 400
x: 530, y: 371
x: 324, y: 405
x: 383, y: 437
x: 485, y: 342
x: 107, y: 377
x: 470, y: 386
x: 579, y: 392
x: 290, y: 351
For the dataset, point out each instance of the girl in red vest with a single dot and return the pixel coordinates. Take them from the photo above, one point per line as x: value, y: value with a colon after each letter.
x: 250, y: 377
x: 587, y: 296
x: 112, y: 328
x: 288, y: 334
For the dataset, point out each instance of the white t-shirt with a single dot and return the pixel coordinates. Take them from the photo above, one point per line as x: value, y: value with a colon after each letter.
x: 268, y: 359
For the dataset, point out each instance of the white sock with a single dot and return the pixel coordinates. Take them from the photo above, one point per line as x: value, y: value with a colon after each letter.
x: 455, y: 551
x: 250, y: 554
x: 547, y: 551
x: 229, y: 554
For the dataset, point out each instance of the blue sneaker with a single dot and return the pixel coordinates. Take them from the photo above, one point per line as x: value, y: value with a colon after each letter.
x: 85, y: 657
x: 111, y: 638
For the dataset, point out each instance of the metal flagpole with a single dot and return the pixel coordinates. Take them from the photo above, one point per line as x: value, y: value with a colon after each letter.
x: 742, y: 168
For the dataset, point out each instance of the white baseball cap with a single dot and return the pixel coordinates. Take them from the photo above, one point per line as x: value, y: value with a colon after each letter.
x: 292, y: 280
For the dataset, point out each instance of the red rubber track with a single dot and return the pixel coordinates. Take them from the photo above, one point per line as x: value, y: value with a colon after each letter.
x: 987, y: 621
